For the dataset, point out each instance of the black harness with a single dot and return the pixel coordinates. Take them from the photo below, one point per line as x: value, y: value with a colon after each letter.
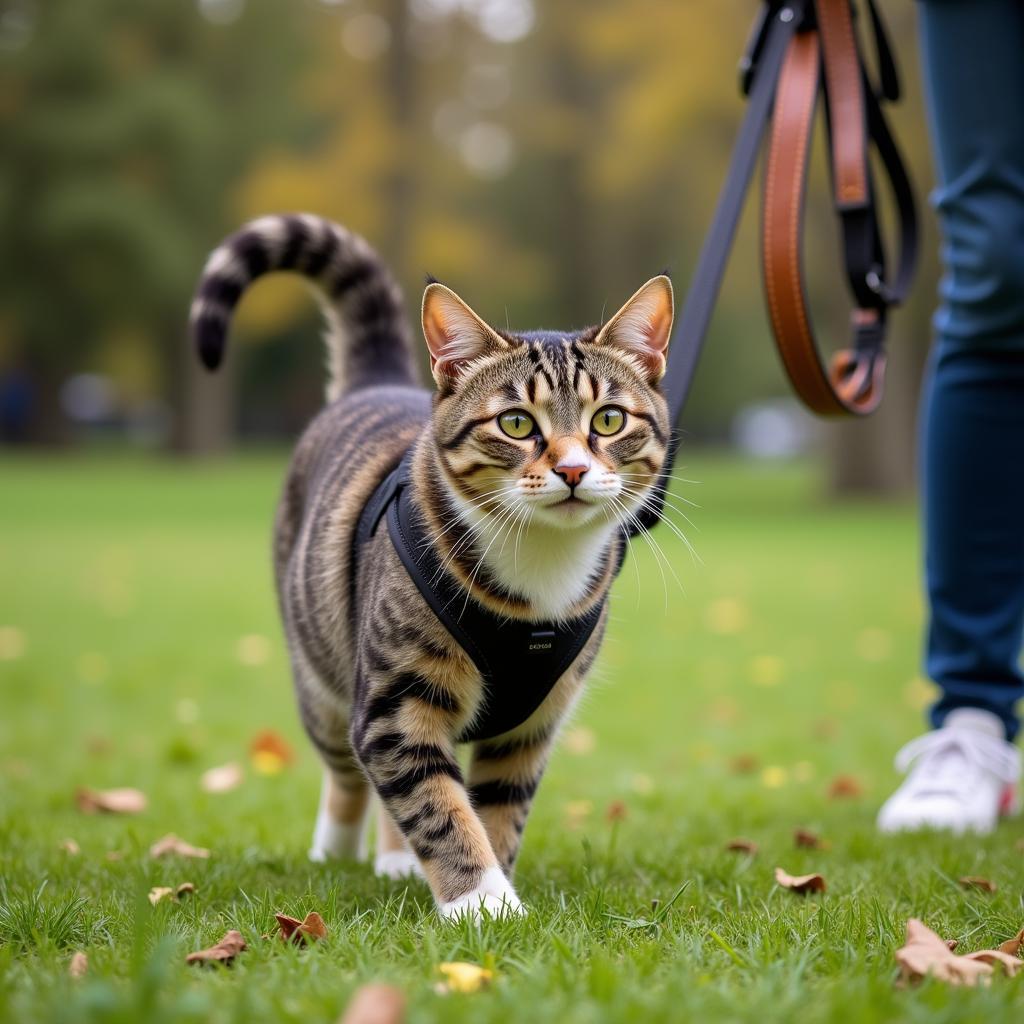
x: 520, y: 662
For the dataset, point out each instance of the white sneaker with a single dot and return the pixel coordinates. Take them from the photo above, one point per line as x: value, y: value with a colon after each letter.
x: 962, y: 777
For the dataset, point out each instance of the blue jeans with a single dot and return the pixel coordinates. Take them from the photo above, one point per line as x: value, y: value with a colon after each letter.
x: 973, y: 415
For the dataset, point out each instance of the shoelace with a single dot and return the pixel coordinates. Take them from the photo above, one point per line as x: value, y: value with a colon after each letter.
x: 978, y: 749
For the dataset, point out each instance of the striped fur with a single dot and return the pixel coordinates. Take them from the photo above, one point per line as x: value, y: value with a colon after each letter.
x: 383, y: 691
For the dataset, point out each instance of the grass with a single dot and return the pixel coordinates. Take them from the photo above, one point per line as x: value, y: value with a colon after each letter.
x: 125, y: 589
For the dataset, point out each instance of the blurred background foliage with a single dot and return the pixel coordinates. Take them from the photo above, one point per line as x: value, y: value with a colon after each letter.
x: 543, y: 159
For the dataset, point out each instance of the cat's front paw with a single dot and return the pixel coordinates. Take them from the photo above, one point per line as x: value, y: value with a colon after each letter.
x: 494, y: 896
x: 397, y: 864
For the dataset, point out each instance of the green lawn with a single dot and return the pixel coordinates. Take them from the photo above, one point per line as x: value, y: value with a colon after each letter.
x: 125, y: 589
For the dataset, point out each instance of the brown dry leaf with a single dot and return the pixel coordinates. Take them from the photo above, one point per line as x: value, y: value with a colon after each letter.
x: 222, y: 779
x: 926, y: 954
x: 79, y: 965
x: 224, y: 952
x: 616, y: 811
x: 112, y: 801
x: 460, y: 976
x: 172, y: 844
x: 744, y: 764
x: 952, y: 944
x: 310, y: 929
x: 375, y: 1004
x: 845, y: 787
x: 185, y: 889
x: 809, y: 840
x: 977, y: 882
x: 800, y: 883
x: 1012, y: 946
x: 742, y: 846
x: 70, y: 847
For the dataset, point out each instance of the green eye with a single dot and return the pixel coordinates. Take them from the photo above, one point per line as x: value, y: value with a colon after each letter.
x: 516, y: 424
x: 607, y: 421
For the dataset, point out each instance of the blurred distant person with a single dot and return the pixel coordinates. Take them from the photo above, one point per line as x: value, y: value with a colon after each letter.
x: 17, y: 404
x: 963, y: 775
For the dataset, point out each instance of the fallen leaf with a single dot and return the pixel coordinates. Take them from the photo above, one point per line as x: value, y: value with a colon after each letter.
x: 163, y: 892
x: 744, y: 764
x: 800, y: 883
x: 742, y: 846
x: 112, y: 801
x: 616, y: 811
x: 224, y: 952
x: 269, y: 753
x: 951, y: 944
x: 463, y: 977
x: 1012, y: 946
x: 580, y: 741
x: 845, y: 787
x: 79, y: 965
x: 70, y: 847
x: 375, y: 1004
x: 576, y: 811
x: 159, y: 893
x: 310, y: 929
x: 172, y: 844
x: 977, y: 882
x: 926, y: 954
x: 222, y: 779
x: 809, y: 840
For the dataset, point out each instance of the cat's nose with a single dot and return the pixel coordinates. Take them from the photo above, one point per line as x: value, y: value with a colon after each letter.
x: 572, y: 475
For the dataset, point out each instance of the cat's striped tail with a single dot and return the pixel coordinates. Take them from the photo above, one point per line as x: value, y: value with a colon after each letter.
x: 368, y: 338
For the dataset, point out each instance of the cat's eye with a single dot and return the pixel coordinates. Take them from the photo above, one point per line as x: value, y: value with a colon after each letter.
x: 607, y: 421
x: 517, y: 424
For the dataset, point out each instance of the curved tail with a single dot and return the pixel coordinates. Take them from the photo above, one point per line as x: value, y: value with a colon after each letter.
x: 368, y: 338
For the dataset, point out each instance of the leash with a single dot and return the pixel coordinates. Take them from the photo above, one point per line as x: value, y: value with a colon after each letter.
x: 798, y: 50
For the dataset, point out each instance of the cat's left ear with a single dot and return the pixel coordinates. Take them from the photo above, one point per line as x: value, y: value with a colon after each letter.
x: 643, y: 326
x: 455, y: 335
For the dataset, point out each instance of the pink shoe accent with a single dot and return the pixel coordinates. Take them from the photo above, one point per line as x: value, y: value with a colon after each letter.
x: 1009, y: 804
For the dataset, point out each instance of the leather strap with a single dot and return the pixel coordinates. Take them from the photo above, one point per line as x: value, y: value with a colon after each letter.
x: 823, y: 57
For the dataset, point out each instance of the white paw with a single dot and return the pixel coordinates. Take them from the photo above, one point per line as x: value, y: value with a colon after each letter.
x: 494, y: 896
x: 397, y: 864
x: 332, y: 841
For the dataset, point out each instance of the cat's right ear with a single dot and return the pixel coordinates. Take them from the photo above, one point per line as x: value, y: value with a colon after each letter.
x: 455, y: 335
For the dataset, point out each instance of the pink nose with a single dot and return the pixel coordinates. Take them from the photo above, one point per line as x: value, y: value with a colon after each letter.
x: 572, y: 475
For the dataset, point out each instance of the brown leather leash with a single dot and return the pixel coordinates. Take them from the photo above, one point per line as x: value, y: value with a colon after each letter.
x: 800, y: 50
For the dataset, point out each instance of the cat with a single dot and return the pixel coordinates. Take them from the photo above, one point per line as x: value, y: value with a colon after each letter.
x: 530, y: 461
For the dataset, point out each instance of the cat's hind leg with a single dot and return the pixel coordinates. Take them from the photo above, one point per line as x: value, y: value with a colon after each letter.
x: 340, y: 830
x: 394, y: 858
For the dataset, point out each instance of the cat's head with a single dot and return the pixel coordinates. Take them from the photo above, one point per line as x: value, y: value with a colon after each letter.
x: 570, y: 425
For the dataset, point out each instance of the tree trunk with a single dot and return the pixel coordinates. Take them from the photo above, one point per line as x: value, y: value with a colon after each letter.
x: 205, y: 403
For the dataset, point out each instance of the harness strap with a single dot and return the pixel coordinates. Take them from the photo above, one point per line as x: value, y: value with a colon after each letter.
x: 519, y: 662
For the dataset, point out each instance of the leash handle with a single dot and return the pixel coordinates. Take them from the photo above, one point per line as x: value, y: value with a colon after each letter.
x: 781, y: 73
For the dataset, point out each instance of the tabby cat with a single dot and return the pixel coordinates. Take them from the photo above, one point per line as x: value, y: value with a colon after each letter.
x: 535, y: 453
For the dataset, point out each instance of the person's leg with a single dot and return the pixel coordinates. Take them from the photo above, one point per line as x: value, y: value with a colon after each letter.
x: 973, y: 419
x: 973, y: 463
x: 973, y: 426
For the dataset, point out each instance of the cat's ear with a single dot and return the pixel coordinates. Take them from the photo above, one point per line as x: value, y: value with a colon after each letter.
x: 455, y: 335
x: 643, y: 326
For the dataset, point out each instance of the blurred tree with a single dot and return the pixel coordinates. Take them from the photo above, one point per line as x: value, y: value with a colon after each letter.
x: 124, y: 124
